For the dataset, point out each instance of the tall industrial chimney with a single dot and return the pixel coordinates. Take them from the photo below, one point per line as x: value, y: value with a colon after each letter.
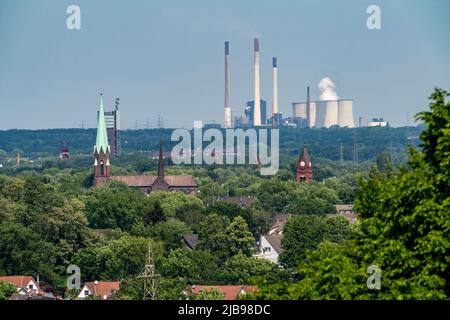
x: 308, y: 109
x: 257, y: 95
x: 227, y: 120
x: 275, y: 88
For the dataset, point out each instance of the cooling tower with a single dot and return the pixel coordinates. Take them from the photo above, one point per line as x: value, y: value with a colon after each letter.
x: 299, y: 110
x: 345, y: 113
x: 326, y: 113
x: 312, y: 114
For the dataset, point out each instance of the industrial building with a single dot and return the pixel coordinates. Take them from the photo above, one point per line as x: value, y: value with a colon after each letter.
x: 377, y: 122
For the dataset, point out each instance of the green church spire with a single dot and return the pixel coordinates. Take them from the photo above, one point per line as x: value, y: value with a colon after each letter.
x: 102, y: 137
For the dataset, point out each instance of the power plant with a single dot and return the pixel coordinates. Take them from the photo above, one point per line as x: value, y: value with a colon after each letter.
x: 329, y: 110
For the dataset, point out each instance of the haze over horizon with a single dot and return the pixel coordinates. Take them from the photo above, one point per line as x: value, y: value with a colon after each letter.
x: 166, y: 58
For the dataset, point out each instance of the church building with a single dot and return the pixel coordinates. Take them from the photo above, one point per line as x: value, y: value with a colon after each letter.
x: 148, y: 184
x: 304, y: 167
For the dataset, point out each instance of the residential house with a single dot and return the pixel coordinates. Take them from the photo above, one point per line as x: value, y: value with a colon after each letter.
x: 229, y: 292
x: 25, y: 284
x: 99, y: 289
x: 269, y: 245
x: 190, y: 241
x: 347, y: 211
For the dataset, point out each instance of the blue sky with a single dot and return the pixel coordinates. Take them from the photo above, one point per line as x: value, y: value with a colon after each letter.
x: 166, y: 57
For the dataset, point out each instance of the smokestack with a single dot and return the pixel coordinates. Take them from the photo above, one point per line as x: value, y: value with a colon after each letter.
x: 275, y: 87
x: 257, y: 95
x: 227, y: 120
x: 308, y: 108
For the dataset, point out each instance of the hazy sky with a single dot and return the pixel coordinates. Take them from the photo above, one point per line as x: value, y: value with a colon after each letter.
x: 166, y: 57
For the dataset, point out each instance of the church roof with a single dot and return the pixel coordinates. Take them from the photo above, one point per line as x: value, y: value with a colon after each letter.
x: 305, y: 155
x: 180, y: 181
x: 101, y: 143
x: 135, y: 181
x: 147, y: 181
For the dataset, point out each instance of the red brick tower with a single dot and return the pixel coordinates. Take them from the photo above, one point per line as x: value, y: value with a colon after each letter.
x: 304, y: 167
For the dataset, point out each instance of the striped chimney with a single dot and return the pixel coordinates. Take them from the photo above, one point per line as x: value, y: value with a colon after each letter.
x: 257, y: 94
x: 275, y: 87
x: 227, y: 119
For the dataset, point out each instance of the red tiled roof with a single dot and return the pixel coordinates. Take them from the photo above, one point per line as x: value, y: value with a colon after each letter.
x: 229, y: 292
x: 103, y: 288
x: 18, y: 281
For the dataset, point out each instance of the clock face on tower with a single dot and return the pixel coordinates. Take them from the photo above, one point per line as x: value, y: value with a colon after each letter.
x: 302, y: 163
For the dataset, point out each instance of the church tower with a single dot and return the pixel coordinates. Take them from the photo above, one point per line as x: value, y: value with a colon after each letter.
x: 304, y: 167
x: 160, y: 183
x: 102, y: 169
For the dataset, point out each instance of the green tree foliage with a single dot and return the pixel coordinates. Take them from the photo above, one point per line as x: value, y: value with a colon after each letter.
x: 210, y: 294
x: 143, y: 165
x: 275, y: 195
x: 241, y: 269
x: 175, y: 204
x: 326, y: 273
x: 113, y: 206
x: 255, y: 219
x: 193, y: 265
x: 178, y: 264
x: 210, y: 191
x: 212, y: 236
x: 404, y: 229
x: 240, y: 239
x: 306, y: 232
x: 24, y: 251
x: 170, y: 232
x: 6, y: 290
x: 224, y: 239
x: 171, y: 289
x: 40, y: 228
x: 115, y: 260
x: 384, y: 163
x: 153, y: 213
x: 312, y: 198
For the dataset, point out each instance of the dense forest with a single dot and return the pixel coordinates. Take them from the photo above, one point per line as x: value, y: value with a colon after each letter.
x: 325, y: 143
x: 51, y: 217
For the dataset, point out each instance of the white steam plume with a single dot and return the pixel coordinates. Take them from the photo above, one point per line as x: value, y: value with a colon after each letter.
x: 327, y: 90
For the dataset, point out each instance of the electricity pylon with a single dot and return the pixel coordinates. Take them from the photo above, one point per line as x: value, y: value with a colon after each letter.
x: 149, y: 275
